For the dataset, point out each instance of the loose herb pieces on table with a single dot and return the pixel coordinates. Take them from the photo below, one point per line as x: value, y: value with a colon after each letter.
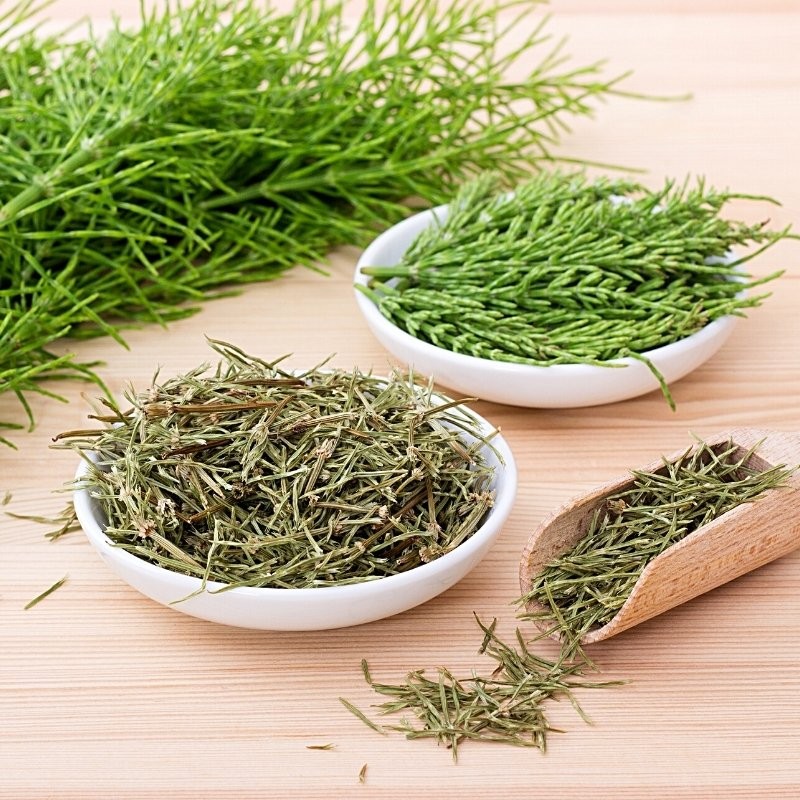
x: 506, y: 706
x: 46, y: 593
x: 254, y: 476
x: 569, y: 270
x: 65, y: 521
x: 582, y: 589
x: 225, y: 141
x: 586, y: 587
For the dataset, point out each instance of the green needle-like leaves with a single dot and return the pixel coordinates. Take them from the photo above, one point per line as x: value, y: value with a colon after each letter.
x: 569, y: 270
x: 585, y: 587
x: 224, y: 142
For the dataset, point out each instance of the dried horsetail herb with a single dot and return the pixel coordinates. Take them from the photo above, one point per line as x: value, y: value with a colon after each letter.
x: 255, y: 476
x: 585, y: 588
x: 578, y: 591
x: 221, y: 142
x: 507, y: 706
x: 65, y: 521
x: 568, y: 270
x: 46, y: 593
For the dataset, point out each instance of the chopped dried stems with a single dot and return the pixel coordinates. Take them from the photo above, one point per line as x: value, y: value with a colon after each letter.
x: 507, y: 706
x: 247, y: 476
x: 586, y: 587
x: 46, y: 593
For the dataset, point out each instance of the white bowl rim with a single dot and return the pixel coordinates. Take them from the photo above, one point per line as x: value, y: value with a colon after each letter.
x: 374, y: 316
x: 503, y: 504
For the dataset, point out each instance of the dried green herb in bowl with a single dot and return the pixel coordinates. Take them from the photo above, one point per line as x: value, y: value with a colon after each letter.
x: 569, y: 292
x: 338, y: 496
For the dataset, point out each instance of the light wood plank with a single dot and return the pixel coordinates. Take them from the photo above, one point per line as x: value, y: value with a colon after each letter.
x: 105, y: 694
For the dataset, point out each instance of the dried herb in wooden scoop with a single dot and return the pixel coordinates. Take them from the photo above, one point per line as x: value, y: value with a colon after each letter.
x: 664, y: 534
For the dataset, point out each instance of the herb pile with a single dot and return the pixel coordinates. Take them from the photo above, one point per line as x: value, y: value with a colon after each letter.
x: 570, y: 270
x: 586, y: 587
x: 254, y: 476
x: 506, y: 706
x: 223, y: 142
x: 581, y: 589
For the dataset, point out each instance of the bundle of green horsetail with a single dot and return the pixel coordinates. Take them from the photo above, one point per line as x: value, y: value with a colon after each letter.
x: 585, y: 587
x: 506, y: 706
x: 223, y: 142
x: 250, y: 475
x: 571, y: 270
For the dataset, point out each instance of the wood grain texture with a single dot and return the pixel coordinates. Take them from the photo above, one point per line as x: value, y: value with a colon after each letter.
x: 74, y: 8
x: 104, y: 694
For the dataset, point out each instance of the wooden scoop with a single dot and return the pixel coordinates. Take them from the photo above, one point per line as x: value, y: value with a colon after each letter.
x: 741, y: 540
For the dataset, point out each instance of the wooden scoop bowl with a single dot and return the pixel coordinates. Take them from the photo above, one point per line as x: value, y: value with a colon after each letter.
x: 741, y: 540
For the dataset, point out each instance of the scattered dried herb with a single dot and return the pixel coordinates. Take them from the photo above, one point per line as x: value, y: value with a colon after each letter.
x: 571, y: 270
x: 507, y: 706
x: 65, y: 521
x: 578, y: 591
x: 320, y: 747
x: 38, y: 599
x: 224, y: 141
x: 362, y: 774
x: 254, y: 476
x: 586, y: 587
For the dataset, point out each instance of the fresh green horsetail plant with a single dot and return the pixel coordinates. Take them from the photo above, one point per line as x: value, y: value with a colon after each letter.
x: 223, y: 142
x: 571, y: 270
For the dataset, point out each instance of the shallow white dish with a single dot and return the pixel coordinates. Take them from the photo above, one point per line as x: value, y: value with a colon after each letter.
x: 307, y: 609
x: 558, y: 386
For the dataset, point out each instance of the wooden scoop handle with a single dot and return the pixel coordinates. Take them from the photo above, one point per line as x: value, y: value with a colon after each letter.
x: 739, y: 541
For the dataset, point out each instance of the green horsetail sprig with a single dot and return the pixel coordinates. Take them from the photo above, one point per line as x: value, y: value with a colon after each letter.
x: 585, y: 588
x: 253, y: 476
x: 571, y: 270
x: 224, y: 141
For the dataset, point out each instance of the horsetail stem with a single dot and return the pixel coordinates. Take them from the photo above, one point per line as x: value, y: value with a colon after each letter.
x: 571, y: 270
x: 251, y: 476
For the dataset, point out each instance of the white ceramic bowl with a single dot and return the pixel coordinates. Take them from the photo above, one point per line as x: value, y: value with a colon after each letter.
x: 557, y: 386
x: 308, y: 609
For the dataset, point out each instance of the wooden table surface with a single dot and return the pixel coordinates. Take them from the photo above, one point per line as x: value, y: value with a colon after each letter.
x: 104, y: 694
